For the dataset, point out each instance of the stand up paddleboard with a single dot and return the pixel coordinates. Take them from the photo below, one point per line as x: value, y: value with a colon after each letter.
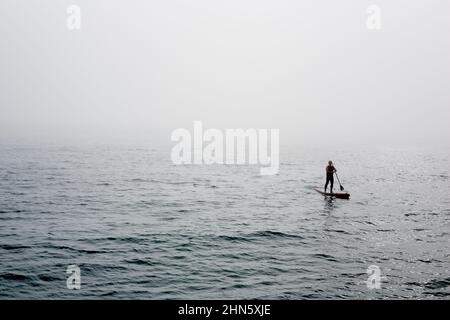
x: 343, y: 195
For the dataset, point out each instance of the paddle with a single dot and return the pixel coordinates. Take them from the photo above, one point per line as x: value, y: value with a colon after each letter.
x: 342, y: 188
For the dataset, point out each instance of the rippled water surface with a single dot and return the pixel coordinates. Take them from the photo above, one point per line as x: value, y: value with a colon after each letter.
x: 140, y: 227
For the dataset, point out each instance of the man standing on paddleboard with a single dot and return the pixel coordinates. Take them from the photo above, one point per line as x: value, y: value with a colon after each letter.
x: 330, y: 170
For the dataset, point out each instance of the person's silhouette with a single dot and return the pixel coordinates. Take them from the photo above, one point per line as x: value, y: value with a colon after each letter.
x: 330, y: 170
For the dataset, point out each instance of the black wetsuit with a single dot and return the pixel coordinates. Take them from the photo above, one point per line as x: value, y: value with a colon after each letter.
x: 330, y: 177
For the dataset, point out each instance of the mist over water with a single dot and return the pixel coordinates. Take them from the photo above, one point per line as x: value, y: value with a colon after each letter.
x: 137, y: 70
x: 140, y: 227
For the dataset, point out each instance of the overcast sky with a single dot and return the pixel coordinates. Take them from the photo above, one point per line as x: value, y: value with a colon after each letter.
x: 139, y: 69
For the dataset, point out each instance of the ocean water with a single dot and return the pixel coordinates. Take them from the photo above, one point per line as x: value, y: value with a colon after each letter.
x: 140, y: 227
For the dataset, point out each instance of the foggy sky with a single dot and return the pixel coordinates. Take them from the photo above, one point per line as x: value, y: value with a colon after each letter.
x: 139, y: 69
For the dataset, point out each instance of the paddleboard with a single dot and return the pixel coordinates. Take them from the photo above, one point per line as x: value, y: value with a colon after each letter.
x: 340, y: 195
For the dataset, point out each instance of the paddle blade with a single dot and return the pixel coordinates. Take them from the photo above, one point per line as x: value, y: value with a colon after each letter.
x: 342, y: 188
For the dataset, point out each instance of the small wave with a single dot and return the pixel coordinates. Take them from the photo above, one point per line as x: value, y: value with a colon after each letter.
x: 429, y: 260
x: 109, y: 293
x: 141, y: 262
x: 438, y: 294
x: 140, y: 180
x: 325, y: 256
x: 273, y: 235
x: 79, y: 250
x: 413, y: 284
x: 115, y: 239
x: 162, y: 181
x: 338, y: 231
x: 178, y: 182
x: 410, y: 214
x: 104, y: 184
x: 440, y: 176
x: 239, y: 286
x: 13, y: 247
x: 48, y: 278
x: 15, y: 277
x: 234, y: 238
x: 237, y: 256
x: 185, y: 247
x: 437, y: 284
x: 89, y: 251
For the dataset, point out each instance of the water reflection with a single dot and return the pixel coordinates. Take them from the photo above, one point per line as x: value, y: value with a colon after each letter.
x: 329, y: 204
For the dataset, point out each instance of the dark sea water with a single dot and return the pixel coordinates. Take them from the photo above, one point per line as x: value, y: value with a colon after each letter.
x: 140, y: 227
